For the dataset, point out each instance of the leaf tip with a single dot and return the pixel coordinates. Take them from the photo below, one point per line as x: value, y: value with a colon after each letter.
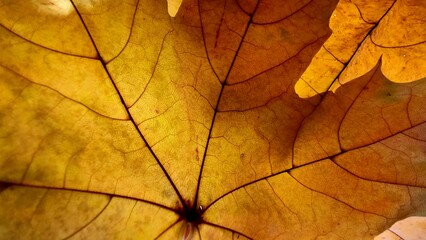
x: 173, y: 7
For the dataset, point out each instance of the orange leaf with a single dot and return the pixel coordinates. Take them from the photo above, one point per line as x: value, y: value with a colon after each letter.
x: 212, y: 119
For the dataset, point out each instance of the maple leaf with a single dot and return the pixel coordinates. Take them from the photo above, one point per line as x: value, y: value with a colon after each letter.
x: 218, y: 119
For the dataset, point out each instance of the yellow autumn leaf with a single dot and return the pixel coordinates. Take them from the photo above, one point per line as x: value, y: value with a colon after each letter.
x: 155, y: 119
x: 391, y: 30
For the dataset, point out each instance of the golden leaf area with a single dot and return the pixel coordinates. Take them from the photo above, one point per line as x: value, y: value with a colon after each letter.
x: 212, y: 119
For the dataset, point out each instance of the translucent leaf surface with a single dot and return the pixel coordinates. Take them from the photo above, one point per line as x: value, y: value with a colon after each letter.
x: 211, y: 119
